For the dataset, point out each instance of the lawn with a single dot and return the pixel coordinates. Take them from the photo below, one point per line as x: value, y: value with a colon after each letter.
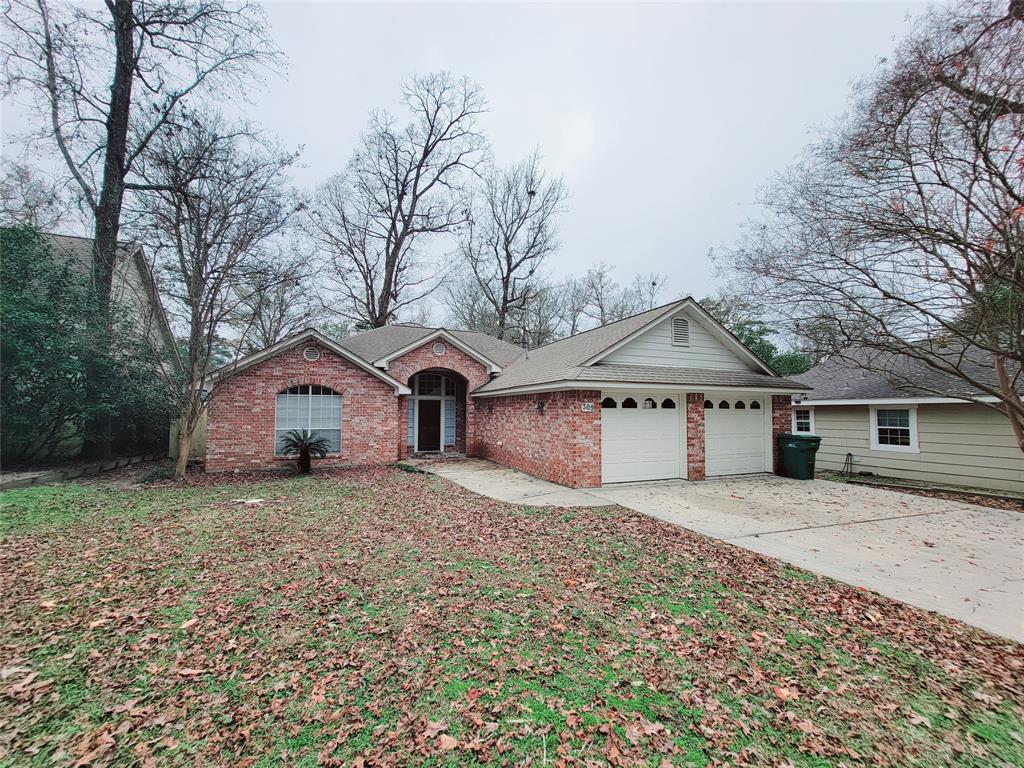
x: 374, y: 617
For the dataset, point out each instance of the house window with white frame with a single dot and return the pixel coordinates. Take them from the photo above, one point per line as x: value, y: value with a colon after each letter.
x: 803, y: 421
x: 312, y: 408
x: 893, y: 429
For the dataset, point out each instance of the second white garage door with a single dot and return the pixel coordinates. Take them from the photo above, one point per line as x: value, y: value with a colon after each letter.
x: 734, y: 435
x: 641, y: 438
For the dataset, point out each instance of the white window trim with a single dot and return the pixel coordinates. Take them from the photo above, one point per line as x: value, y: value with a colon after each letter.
x: 416, y: 398
x: 803, y: 408
x: 873, y: 428
x: 309, y: 418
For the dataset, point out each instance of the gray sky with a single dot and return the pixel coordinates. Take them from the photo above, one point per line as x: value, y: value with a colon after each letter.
x: 664, y: 119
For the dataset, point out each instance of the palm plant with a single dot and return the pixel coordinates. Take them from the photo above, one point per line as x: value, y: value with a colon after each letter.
x: 306, y: 445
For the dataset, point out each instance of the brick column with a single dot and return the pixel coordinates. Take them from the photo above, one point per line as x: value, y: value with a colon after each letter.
x: 471, y: 447
x: 695, y: 436
x: 403, y: 426
x: 782, y: 421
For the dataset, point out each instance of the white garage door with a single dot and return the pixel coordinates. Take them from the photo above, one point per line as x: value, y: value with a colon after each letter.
x: 641, y: 437
x: 734, y: 435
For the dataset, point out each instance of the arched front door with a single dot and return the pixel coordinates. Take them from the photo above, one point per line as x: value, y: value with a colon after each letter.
x: 432, y: 412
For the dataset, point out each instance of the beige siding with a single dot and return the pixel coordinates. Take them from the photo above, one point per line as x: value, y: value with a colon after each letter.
x: 197, y: 450
x: 655, y: 347
x: 959, y: 443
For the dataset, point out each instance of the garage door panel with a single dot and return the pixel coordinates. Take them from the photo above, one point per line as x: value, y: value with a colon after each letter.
x: 734, y: 438
x: 640, y: 444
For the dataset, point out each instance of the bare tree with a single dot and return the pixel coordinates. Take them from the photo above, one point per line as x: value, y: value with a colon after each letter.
x: 29, y: 197
x: 901, y: 233
x: 606, y: 301
x: 216, y: 196
x: 402, y: 186
x: 575, y: 298
x: 274, y: 303
x: 468, y: 306
x: 539, y: 320
x: 510, y: 234
x: 106, y: 80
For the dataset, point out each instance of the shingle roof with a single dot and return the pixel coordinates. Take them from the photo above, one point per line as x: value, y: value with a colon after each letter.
x: 78, y: 250
x: 861, y: 374
x: 380, y: 342
x: 562, y: 360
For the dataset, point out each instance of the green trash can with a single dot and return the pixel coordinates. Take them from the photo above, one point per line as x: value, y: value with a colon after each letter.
x: 798, y: 455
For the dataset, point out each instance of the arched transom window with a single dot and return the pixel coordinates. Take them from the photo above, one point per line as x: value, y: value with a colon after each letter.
x: 310, y: 407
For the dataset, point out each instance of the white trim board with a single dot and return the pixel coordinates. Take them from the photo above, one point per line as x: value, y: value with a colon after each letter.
x: 905, y: 401
x: 573, y: 384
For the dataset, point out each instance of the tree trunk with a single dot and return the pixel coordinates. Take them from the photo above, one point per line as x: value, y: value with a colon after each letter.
x: 305, y: 464
x: 184, y: 447
x: 98, y: 431
x: 1009, y: 395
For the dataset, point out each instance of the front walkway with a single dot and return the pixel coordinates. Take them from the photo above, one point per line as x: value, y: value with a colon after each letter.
x: 958, y: 559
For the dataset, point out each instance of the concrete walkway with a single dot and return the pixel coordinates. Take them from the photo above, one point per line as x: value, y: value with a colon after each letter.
x: 961, y: 560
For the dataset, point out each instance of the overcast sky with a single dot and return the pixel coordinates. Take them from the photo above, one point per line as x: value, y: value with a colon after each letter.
x: 664, y: 119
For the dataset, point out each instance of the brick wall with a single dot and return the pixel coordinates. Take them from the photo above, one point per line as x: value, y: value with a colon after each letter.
x: 781, y: 422
x: 240, y: 428
x: 695, y: 436
x: 560, y: 443
x: 475, y: 373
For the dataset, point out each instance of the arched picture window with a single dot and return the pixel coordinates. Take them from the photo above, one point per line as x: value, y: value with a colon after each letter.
x: 668, y: 402
x: 724, y: 405
x: 755, y: 406
x: 310, y: 407
x: 708, y: 404
x: 650, y: 403
x: 609, y: 402
x: 629, y: 402
x: 740, y: 405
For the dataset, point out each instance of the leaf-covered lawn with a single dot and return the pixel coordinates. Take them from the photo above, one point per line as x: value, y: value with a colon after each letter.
x: 381, y: 617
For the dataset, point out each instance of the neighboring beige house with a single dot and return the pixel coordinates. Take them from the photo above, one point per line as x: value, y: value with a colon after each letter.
x: 915, y: 424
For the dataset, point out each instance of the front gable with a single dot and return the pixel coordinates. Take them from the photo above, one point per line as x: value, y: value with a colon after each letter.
x: 697, y: 344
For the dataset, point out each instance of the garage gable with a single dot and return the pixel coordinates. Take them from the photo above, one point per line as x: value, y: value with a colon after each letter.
x: 686, y: 339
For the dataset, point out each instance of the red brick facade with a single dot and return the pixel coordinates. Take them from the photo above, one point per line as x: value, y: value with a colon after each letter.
x: 559, y: 442
x: 781, y: 423
x: 240, y: 426
x: 547, y: 435
x: 695, y: 436
x: 455, y: 360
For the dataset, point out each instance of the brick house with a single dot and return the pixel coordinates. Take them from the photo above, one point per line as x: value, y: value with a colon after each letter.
x: 667, y: 393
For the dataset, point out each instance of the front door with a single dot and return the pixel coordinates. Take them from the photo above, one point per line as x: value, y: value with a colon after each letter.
x: 428, y: 426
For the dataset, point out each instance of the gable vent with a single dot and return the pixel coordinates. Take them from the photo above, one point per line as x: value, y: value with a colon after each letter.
x: 311, y: 353
x: 680, y: 332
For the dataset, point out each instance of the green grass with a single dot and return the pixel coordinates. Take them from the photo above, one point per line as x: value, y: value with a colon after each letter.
x: 347, y: 612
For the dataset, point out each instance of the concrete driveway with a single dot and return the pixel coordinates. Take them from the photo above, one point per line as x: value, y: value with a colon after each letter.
x: 958, y: 559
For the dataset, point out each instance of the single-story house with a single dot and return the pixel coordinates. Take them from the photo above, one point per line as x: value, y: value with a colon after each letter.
x: 668, y: 393
x: 900, y: 418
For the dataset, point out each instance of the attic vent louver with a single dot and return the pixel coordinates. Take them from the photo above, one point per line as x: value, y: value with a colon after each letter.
x: 680, y: 332
x: 311, y: 353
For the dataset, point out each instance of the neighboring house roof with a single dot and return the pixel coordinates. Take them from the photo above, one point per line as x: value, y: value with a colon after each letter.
x: 128, y: 256
x: 868, y: 375
x: 572, y: 359
x: 378, y: 343
x: 301, y: 337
